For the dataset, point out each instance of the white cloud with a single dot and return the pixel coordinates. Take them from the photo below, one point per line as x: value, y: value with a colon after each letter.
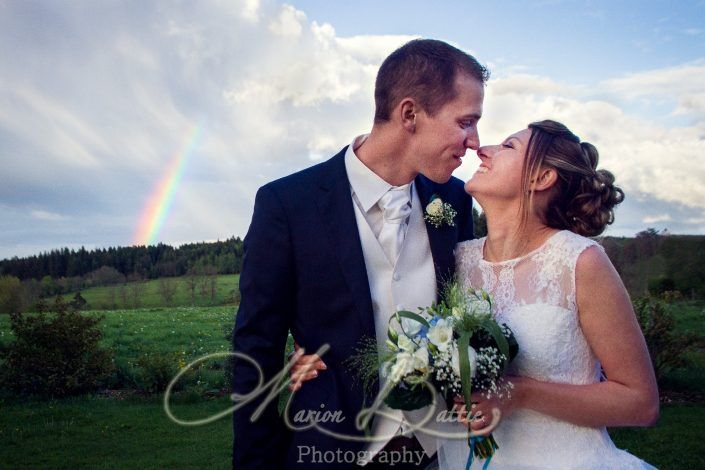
x: 314, y: 68
x: 684, y: 82
x: 647, y: 155
x: 250, y: 10
x: 289, y: 22
x: 370, y: 50
x: 55, y: 129
x: 650, y: 219
x: 45, y: 215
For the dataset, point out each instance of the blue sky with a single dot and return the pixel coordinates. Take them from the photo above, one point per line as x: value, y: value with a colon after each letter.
x: 97, y: 97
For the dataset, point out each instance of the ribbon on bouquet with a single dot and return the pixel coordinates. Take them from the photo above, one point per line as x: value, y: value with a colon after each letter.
x: 472, y: 442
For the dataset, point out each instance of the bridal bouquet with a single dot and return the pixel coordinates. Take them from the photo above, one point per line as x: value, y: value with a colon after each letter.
x: 455, y: 345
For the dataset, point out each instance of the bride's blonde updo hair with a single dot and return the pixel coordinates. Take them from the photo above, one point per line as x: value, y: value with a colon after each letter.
x: 583, y: 198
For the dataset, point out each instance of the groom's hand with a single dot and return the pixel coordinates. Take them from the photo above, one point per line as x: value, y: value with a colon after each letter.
x: 305, y: 368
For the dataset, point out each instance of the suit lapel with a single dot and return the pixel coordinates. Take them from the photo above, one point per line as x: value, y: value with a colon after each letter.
x: 336, y: 206
x: 442, y: 239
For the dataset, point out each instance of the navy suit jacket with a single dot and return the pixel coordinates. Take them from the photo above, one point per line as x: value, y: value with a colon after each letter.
x: 303, y: 271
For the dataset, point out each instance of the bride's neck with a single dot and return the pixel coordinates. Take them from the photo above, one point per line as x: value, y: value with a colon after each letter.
x: 507, y: 238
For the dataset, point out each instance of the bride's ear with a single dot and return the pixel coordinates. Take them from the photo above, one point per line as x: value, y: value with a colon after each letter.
x: 545, y: 179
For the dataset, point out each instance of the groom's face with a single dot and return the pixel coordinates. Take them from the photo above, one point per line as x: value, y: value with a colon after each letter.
x: 441, y: 140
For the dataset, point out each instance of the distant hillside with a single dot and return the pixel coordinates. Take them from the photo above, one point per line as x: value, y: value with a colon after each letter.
x: 649, y: 260
x: 148, y: 262
x: 662, y: 262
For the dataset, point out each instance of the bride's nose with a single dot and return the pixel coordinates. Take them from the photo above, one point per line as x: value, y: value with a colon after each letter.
x: 483, y: 152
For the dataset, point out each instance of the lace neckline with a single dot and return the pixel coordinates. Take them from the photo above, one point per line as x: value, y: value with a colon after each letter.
x: 514, y: 261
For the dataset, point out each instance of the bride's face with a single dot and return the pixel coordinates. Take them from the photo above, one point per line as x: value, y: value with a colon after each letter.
x: 500, y: 172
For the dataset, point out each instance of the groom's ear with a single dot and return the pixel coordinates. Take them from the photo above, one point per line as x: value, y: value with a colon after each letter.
x: 407, y: 110
x: 545, y: 179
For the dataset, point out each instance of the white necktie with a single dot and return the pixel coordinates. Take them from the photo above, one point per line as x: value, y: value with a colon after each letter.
x: 396, y: 208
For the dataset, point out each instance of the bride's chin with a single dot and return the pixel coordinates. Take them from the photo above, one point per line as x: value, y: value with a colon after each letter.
x: 471, y: 187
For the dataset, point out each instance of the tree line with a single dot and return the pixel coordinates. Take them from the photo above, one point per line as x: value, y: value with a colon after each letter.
x: 146, y: 262
x: 652, y: 262
x: 23, y: 281
x: 657, y: 262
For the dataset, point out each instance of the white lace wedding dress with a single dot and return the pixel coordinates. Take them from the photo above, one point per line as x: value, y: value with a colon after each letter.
x: 535, y: 296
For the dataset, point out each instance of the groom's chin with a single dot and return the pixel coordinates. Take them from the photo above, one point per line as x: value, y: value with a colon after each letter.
x: 440, y: 174
x: 439, y: 179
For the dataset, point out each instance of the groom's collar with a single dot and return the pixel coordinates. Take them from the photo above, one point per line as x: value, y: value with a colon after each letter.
x: 366, y: 185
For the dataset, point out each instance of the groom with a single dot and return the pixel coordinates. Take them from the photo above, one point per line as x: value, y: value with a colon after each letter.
x: 334, y: 249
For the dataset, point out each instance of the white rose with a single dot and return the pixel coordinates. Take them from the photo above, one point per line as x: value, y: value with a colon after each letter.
x: 455, y: 361
x: 403, y: 365
x: 441, y: 334
x: 405, y: 344
x: 397, y: 370
x: 435, y: 207
x: 421, y: 360
x: 419, y: 364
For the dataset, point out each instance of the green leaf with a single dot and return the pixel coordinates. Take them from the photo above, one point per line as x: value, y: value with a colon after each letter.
x: 413, y: 316
x: 464, y: 360
x: 496, y: 332
x: 409, y: 398
x: 393, y: 336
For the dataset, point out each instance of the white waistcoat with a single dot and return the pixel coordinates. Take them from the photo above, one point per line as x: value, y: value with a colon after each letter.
x: 410, y: 284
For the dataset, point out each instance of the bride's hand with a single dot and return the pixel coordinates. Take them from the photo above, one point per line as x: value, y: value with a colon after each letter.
x: 305, y: 368
x: 485, y: 413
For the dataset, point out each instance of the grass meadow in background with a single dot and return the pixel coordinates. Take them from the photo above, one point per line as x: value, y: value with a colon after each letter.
x: 121, y: 296
x: 125, y: 429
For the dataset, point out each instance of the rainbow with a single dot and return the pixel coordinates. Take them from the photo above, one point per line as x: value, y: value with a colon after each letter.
x: 160, y: 200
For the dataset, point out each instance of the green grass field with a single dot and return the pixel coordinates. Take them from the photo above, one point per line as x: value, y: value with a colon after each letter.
x: 135, y: 432
x: 99, y: 432
x: 128, y: 430
x: 674, y: 443
x: 121, y: 296
x: 690, y: 317
x: 187, y: 331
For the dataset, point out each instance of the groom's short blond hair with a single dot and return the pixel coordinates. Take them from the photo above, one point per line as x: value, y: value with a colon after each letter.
x: 425, y: 70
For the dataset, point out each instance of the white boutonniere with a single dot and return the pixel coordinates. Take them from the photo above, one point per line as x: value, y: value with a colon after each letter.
x: 440, y: 213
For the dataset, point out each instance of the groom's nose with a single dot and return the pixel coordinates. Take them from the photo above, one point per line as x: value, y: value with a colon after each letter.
x: 472, y: 139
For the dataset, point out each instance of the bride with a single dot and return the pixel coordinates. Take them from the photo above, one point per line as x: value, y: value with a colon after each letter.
x: 582, y: 364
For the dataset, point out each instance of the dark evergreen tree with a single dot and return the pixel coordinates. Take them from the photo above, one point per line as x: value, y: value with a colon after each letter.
x: 76, y: 267
x: 479, y: 222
